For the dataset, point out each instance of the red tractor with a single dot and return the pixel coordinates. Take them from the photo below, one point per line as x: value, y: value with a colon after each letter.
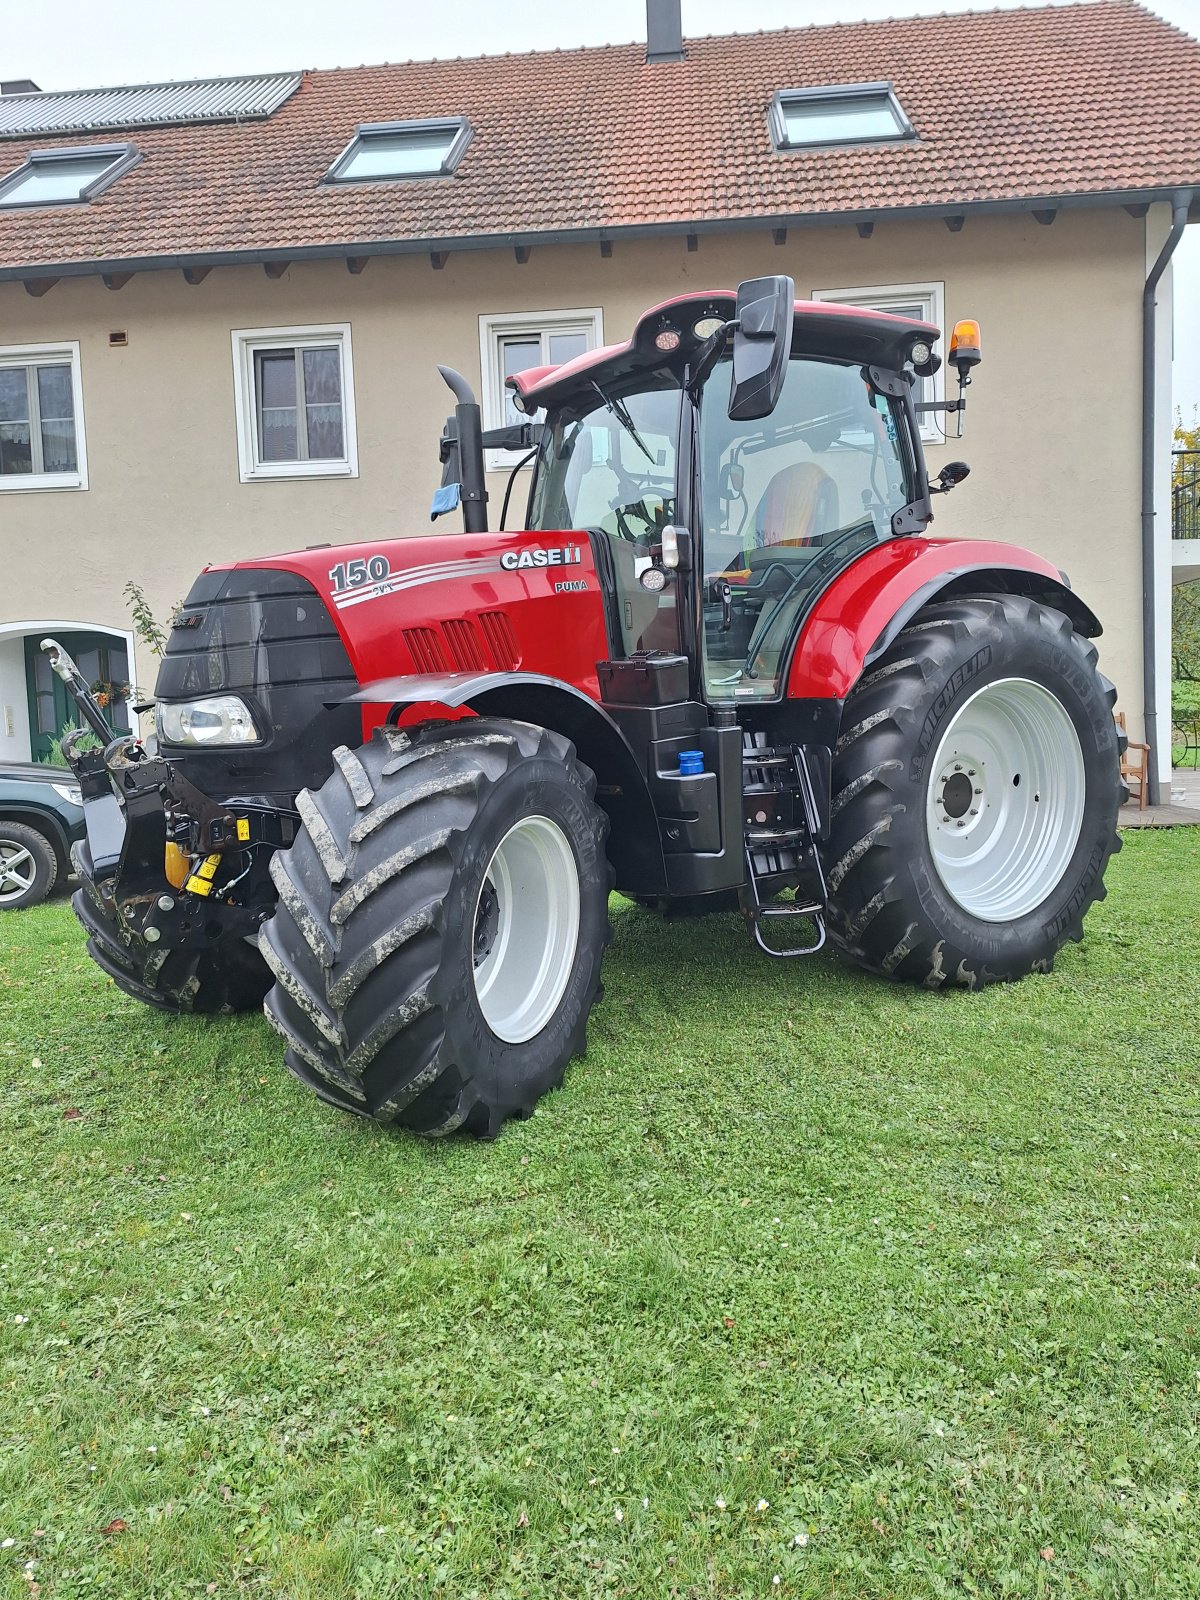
x: 723, y: 664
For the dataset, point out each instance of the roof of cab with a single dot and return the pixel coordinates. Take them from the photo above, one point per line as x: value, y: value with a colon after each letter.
x: 822, y: 329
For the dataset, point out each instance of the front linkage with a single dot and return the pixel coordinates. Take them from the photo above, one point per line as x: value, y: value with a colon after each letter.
x: 165, y: 869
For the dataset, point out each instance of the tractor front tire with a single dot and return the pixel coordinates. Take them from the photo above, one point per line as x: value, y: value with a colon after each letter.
x: 975, y: 793
x: 441, y: 920
x: 220, y: 980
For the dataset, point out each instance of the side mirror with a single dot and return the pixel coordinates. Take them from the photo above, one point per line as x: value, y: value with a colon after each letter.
x: 762, y: 343
x: 733, y: 478
x: 951, y: 474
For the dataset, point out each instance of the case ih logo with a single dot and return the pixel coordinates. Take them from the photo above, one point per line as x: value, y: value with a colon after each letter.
x: 568, y: 556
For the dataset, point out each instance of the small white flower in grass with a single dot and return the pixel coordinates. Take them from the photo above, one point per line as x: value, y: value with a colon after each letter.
x: 776, y: 1581
x: 19, y: 1318
x: 7, y: 1544
x: 380, y: 1530
x: 151, y: 1449
x: 720, y: 1504
x: 618, y: 1515
x: 800, y: 1540
x: 645, y: 1502
x: 763, y: 1505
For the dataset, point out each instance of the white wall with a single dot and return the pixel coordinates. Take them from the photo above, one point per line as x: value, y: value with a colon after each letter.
x: 14, y: 701
x: 1053, y: 429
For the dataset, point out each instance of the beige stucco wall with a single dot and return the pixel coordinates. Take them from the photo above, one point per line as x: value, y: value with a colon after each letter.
x: 1051, y: 433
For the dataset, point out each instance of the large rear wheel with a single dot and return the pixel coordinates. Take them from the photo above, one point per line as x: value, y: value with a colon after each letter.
x: 975, y: 795
x: 441, y: 920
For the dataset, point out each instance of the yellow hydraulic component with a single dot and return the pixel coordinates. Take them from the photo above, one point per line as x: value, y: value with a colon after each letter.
x: 201, y: 881
x: 176, y: 865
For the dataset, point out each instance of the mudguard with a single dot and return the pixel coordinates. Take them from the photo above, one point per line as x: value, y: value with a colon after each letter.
x: 867, y: 605
x: 634, y: 846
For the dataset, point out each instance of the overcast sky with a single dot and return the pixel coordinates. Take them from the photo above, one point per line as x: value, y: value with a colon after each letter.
x: 76, y: 44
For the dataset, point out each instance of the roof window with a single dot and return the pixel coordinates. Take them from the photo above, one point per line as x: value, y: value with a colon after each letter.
x: 850, y: 113
x: 64, y: 177
x: 381, y: 151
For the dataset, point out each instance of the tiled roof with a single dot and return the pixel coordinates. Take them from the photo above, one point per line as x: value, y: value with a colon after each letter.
x: 1010, y: 107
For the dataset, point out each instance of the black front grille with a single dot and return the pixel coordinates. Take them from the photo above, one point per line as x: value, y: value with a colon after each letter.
x: 266, y: 636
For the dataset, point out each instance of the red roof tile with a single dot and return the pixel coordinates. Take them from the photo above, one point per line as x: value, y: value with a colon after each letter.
x: 1065, y: 102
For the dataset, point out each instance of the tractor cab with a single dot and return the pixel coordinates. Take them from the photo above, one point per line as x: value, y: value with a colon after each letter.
x: 727, y: 499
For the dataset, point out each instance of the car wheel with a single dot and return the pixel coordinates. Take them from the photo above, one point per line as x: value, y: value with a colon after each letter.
x: 28, y: 866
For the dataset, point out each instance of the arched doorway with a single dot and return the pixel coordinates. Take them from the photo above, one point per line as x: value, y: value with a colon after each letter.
x: 35, y: 708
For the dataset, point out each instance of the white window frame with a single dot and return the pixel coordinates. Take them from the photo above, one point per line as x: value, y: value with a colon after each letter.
x: 588, y: 320
x: 885, y: 297
x: 247, y: 342
x: 50, y: 355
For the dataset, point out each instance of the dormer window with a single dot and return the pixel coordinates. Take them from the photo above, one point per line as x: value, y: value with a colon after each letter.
x: 386, y: 151
x: 849, y: 113
x: 66, y: 177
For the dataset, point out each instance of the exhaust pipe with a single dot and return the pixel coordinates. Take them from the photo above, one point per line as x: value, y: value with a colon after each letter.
x: 462, y: 448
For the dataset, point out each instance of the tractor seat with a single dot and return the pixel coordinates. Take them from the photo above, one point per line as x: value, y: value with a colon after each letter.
x: 799, y: 507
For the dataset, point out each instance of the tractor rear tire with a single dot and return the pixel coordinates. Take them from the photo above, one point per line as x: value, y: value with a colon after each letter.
x: 976, y: 785
x: 220, y: 980
x: 441, y: 920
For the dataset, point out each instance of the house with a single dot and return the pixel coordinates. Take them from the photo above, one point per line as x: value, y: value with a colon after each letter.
x: 222, y: 304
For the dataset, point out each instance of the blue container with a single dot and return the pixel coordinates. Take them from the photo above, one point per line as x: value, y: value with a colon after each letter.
x: 691, y: 762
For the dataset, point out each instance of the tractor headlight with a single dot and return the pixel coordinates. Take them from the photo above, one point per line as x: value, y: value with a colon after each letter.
x: 217, y: 719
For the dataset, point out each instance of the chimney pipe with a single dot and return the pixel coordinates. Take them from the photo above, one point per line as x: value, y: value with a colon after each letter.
x: 664, y: 31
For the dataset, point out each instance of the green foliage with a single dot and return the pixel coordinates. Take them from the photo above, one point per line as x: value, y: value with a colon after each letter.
x: 145, y: 626
x: 1185, y: 631
x: 916, y: 1271
x: 54, y: 756
x: 1185, y: 438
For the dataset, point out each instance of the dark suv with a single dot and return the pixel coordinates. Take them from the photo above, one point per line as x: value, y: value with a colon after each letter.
x: 41, y: 816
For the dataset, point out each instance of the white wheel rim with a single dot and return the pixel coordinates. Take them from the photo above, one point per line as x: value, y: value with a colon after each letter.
x: 17, y: 870
x: 1006, y: 796
x: 526, y: 929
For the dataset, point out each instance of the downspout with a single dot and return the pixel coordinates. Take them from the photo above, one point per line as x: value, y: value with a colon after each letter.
x: 1179, y: 216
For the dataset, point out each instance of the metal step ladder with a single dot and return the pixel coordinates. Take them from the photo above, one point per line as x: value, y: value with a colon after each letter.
x: 778, y: 841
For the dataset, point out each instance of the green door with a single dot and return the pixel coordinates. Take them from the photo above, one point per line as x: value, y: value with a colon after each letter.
x: 100, y: 658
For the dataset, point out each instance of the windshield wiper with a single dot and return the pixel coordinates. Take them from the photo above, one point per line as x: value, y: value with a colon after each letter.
x: 617, y: 407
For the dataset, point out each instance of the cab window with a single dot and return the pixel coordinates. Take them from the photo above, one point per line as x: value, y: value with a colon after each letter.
x: 608, y: 463
x: 784, y: 502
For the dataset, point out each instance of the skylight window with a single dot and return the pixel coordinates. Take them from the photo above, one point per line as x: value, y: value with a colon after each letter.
x: 383, y: 151
x: 852, y: 113
x: 66, y: 177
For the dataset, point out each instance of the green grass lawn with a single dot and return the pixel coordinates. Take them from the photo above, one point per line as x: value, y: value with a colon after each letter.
x: 804, y: 1285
